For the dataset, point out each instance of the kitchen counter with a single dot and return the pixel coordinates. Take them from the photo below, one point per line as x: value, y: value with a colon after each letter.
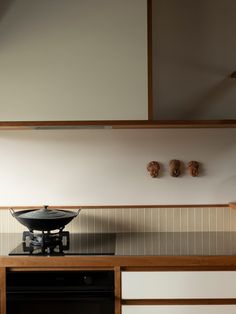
x: 193, y: 251
x: 137, y: 249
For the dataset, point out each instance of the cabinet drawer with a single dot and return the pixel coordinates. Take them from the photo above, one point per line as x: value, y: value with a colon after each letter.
x: 179, y: 309
x: 179, y: 285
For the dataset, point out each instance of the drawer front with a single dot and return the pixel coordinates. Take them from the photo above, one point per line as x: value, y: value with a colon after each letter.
x: 179, y: 285
x: 179, y: 309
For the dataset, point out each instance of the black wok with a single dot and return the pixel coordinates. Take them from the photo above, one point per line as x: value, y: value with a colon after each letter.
x: 44, y: 219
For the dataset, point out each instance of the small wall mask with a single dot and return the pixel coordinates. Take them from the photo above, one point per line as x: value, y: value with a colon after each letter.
x: 193, y: 168
x: 153, y: 168
x: 174, y: 166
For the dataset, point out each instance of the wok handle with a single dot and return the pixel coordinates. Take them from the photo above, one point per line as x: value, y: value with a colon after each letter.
x: 12, y: 211
x: 78, y: 211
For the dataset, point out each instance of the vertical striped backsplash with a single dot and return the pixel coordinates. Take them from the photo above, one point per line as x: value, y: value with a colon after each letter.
x: 141, y: 220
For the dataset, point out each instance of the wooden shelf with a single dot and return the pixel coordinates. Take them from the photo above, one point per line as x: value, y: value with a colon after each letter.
x: 129, y: 124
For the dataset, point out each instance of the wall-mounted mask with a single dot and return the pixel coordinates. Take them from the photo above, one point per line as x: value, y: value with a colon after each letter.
x: 153, y: 168
x: 174, y: 167
x: 193, y: 168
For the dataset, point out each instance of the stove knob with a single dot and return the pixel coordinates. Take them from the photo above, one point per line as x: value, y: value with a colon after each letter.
x: 88, y: 280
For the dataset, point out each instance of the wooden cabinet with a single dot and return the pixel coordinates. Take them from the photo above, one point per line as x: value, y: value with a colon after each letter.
x: 116, y: 63
x: 64, y: 60
x: 138, y: 288
x: 2, y: 290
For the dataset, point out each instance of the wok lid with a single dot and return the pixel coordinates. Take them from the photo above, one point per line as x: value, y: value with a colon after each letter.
x: 45, y: 213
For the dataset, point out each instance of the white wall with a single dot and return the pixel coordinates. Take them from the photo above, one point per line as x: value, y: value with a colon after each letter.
x: 108, y: 167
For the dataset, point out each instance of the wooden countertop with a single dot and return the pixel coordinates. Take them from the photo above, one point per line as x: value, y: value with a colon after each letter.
x: 165, y: 250
x: 125, y: 262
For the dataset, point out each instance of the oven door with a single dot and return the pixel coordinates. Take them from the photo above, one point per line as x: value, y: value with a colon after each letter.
x: 60, y: 303
x: 60, y: 292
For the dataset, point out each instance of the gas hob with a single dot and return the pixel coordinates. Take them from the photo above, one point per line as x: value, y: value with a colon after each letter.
x: 60, y: 244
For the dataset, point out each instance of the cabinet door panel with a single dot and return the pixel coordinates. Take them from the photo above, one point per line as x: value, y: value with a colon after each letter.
x: 193, y: 57
x: 179, y: 309
x: 179, y: 285
x: 73, y: 60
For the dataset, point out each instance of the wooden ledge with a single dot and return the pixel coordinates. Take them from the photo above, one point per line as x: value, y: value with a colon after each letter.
x: 232, y: 205
x: 19, y: 207
x: 117, y: 124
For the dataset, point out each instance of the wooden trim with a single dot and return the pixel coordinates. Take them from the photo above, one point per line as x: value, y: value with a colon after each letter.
x: 3, y: 290
x: 232, y: 205
x: 150, y: 65
x: 117, y: 290
x: 195, y: 262
x: 118, y: 124
x: 115, y: 206
x: 179, y: 302
x: 179, y: 124
x: 29, y: 269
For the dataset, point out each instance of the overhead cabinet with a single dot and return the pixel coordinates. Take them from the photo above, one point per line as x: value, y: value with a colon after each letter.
x: 194, y: 65
x: 66, y: 60
x: 121, y: 63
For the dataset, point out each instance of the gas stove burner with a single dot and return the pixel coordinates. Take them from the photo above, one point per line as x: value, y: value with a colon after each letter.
x: 62, y: 243
x: 46, y: 243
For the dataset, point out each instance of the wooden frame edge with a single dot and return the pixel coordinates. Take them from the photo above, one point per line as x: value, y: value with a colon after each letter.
x: 3, y: 290
x: 150, y: 63
x: 117, y: 124
x: 178, y: 301
x: 125, y: 262
x: 232, y: 205
x: 117, y: 290
x: 116, y: 206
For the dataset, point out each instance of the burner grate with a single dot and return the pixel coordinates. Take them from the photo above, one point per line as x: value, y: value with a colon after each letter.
x: 46, y: 242
x: 70, y: 244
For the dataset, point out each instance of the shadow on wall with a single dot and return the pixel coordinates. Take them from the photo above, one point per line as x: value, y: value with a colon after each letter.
x: 226, y: 188
x: 111, y: 220
x: 4, y: 6
x: 210, y: 99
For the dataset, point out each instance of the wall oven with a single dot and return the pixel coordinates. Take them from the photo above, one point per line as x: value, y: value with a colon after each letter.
x: 61, y: 292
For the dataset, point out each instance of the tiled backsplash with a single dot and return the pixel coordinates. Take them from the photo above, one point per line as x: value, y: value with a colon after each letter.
x: 142, y: 220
